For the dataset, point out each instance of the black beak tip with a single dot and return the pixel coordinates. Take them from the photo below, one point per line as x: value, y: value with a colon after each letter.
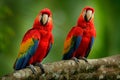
x: 85, y: 17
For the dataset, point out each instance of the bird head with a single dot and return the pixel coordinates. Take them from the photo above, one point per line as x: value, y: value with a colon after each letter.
x: 44, y: 20
x: 87, y: 15
x: 44, y: 16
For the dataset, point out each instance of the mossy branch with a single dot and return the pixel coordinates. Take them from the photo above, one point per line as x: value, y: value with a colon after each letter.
x: 107, y: 68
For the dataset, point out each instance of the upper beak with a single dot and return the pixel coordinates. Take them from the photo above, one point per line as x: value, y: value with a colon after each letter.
x: 88, y: 15
x: 44, y: 19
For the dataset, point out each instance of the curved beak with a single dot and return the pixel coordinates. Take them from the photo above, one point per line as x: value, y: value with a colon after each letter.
x: 88, y: 15
x: 44, y: 19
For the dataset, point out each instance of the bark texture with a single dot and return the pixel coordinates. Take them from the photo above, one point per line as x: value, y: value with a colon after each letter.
x: 107, y: 68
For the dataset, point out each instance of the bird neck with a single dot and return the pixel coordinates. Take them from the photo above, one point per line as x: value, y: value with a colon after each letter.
x: 85, y: 25
x: 47, y: 27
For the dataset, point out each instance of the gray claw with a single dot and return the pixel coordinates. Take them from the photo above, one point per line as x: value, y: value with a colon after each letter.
x: 83, y: 58
x: 41, y: 67
x: 32, y: 69
x: 75, y: 59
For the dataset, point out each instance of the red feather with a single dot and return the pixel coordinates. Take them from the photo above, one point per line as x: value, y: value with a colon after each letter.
x: 86, y: 31
x: 37, y: 41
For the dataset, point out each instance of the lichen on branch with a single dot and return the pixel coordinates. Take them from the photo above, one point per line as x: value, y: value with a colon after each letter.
x: 107, y: 68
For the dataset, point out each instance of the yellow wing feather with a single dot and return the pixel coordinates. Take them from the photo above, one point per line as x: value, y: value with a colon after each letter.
x: 25, y: 46
x: 67, y: 45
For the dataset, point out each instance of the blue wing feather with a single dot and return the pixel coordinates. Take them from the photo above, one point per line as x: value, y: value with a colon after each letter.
x: 89, y: 47
x: 22, y: 62
x: 74, y: 45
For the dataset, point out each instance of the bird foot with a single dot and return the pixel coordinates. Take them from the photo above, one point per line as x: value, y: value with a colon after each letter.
x: 32, y: 69
x: 41, y: 67
x: 83, y: 58
x: 75, y: 59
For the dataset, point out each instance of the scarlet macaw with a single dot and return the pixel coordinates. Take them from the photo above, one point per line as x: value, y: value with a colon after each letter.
x: 80, y: 39
x: 37, y: 41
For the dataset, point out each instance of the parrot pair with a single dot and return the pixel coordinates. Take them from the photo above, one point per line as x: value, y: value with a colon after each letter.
x: 38, y: 41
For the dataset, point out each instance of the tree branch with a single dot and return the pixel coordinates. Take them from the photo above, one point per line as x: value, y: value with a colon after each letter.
x: 105, y: 68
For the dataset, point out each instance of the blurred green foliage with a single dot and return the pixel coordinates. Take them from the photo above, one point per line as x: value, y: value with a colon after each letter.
x: 16, y: 17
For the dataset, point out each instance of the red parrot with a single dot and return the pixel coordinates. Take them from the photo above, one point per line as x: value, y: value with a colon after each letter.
x: 37, y: 41
x: 80, y: 39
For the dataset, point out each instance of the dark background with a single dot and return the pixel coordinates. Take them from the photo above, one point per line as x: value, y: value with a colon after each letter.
x: 17, y: 16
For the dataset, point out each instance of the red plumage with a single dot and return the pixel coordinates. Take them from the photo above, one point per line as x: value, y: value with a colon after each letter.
x: 46, y: 38
x: 37, y: 42
x: 81, y: 37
